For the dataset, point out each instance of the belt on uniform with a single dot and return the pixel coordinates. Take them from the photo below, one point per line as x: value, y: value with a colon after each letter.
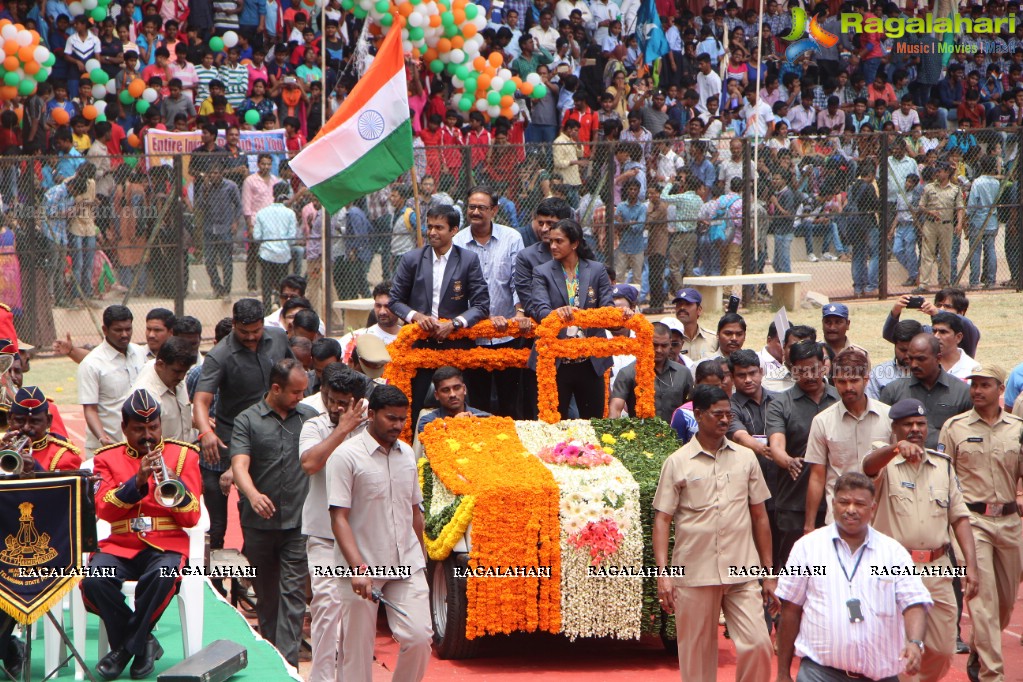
x: 138, y: 524
x: 925, y: 556
x: 999, y: 509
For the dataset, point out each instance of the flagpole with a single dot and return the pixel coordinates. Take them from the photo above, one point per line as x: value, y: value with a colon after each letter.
x: 324, y: 246
x: 415, y: 195
x: 756, y: 141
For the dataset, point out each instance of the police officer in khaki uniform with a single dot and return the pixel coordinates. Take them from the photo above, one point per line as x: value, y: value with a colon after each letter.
x: 714, y: 492
x: 984, y: 444
x: 918, y: 498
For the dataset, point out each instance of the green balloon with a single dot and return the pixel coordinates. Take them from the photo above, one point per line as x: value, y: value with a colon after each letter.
x: 436, y: 65
x: 415, y: 33
x: 462, y: 72
x: 51, y: 60
x: 382, y: 6
x: 99, y: 77
x: 465, y: 103
x: 125, y: 97
x: 359, y: 12
x: 450, y: 31
x: 508, y: 88
x: 217, y: 44
x: 347, y: 5
x: 98, y: 14
x: 450, y: 68
x: 471, y: 11
x: 539, y: 91
x: 252, y: 117
x: 447, y: 18
x: 130, y: 161
x: 104, y: 3
x: 101, y: 117
x: 387, y: 20
x: 11, y: 79
x: 415, y: 2
x: 41, y: 75
x: 142, y: 106
x: 26, y: 87
x: 470, y: 83
x: 493, y: 97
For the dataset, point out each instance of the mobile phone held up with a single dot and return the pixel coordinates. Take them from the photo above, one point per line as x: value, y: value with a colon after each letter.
x: 915, y: 302
x: 733, y: 303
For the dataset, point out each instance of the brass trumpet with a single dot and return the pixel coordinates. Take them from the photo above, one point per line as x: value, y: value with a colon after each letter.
x: 170, y: 492
x: 13, y: 457
x: 7, y: 387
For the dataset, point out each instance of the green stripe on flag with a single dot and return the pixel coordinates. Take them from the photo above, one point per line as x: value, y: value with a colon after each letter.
x: 379, y: 167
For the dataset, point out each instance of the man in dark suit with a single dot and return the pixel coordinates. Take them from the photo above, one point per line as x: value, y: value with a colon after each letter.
x: 439, y: 282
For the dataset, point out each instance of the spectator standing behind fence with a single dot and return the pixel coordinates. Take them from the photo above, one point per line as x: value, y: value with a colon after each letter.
x: 982, y: 213
x: 257, y: 194
x: 82, y: 229
x: 942, y: 208
x: 904, y: 247
x: 862, y: 230
x: 219, y: 202
x: 630, y: 225
x: 274, y: 228
x: 686, y: 195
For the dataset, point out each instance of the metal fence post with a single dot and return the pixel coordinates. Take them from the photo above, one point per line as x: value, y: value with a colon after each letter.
x: 179, y: 224
x: 469, y: 180
x: 609, y: 208
x: 1019, y: 216
x: 882, y: 251
x: 748, y: 208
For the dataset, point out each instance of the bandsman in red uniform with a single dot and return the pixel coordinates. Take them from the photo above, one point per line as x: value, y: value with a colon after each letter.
x: 30, y: 416
x: 147, y: 538
x: 16, y: 376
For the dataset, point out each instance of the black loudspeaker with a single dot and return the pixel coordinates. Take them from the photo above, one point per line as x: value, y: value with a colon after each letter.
x: 214, y: 663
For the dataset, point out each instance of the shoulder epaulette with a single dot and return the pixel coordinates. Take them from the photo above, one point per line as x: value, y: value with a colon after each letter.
x: 957, y: 417
x: 109, y: 447
x: 5, y: 307
x: 191, y: 446
x: 942, y: 455
x: 66, y: 445
x: 1010, y: 415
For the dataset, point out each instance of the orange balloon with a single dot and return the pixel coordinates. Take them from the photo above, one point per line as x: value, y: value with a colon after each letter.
x: 483, y: 82
x: 405, y: 9
x: 416, y: 53
x: 4, y: 22
x: 506, y: 112
x: 60, y: 117
x: 134, y: 141
x: 26, y: 54
x: 459, y: 4
x: 443, y: 45
x: 495, y: 59
x: 9, y: 92
x: 435, y: 21
x: 459, y: 16
x: 136, y: 87
x: 479, y: 63
x: 19, y: 27
x: 458, y: 42
x: 90, y: 112
x: 32, y: 68
x: 430, y: 55
x: 374, y: 29
x: 35, y: 39
x: 11, y: 63
x: 506, y: 101
x: 517, y: 81
x: 526, y: 88
x: 11, y: 47
x: 469, y: 30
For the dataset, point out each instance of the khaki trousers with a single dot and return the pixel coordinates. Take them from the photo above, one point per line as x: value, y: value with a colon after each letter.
x: 626, y: 261
x: 414, y: 633
x: 998, y: 563
x: 698, y: 631
x: 325, y: 633
x: 935, y: 243
x: 940, y: 637
x: 681, y: 257
x: 314, y: 284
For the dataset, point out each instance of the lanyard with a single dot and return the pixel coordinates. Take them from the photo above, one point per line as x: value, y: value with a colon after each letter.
x: 863, y: 550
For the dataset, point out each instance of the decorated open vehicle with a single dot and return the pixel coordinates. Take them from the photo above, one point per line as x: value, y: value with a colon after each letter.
x: 567, y: 505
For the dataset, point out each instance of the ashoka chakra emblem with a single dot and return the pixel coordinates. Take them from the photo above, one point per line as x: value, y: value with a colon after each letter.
x: 371, y: 125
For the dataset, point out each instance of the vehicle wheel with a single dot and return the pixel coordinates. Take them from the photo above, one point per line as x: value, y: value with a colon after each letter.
x: 449, y: 609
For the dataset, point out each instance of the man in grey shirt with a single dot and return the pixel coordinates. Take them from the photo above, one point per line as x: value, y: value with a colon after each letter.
x: 672, y: 381
x: 268, y: 472
x: 944, y: 395
x: 218, y: 204
x: 176, y: 103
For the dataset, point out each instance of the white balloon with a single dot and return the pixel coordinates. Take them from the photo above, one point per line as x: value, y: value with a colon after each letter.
x: 92, y: 65
x: 100, y: 105
x: 494, y: 111
x: 533, y: 79
x: 496, y: 83
x: 431, y: 9
x: 457, y: 56
x: 149, y: 95
x: 23, y: 38
x: 76, y: 9
x: 406, y: 46
x: 99, y: 92
x: 230, y: 39
x: 481, y: 104
x: 505, y: 74
x: 472, y: 50
x: 415, y: 19
x: 457, y: 82
x: 515, y: 108
x: 9, y: 32
x: 480, y: 21
x: 90, y: 5
x: 41, y: 54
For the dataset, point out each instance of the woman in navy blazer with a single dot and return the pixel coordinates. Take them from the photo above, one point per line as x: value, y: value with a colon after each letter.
x: 573, y: 280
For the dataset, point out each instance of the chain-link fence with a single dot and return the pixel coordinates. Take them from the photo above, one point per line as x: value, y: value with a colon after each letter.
x: 864, y: 215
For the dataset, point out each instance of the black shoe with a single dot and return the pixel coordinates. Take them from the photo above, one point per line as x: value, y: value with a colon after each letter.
x: 961, y: 646
x: 15, y: 658
x: 973, y: 667
x: 112, y: 665
x: 143, y: 665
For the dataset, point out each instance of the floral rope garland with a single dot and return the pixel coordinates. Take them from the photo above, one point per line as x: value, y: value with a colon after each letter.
x: 515, y: 522
x: 445, y: 528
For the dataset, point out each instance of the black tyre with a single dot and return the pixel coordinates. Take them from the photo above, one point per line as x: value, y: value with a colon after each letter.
x: 449, y: 609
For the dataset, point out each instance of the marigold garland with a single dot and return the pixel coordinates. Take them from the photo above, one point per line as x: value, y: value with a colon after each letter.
x: 549, y: 348
x: 515, y: 521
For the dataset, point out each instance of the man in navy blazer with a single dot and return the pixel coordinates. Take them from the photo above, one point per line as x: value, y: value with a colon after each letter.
x: 439, y: 282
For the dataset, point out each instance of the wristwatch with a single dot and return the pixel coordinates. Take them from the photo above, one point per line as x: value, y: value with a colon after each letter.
x: 918, y: 642
x: 457, y: 324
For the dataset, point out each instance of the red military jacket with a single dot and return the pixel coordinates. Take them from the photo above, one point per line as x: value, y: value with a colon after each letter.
x: 53, y: 454
x: 118, y: 500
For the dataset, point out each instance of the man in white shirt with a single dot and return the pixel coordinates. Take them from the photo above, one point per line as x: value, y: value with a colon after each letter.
x: 708, y: 83
x: 906, y: 116
x: 325, y: 352
x: 563, y: 10
x: 758, y: 116
x: 164, y: 378
x: 803, y: 115
x: 948, y: 328
x: 292, y: 286
x: 321, y: 436
x: 603, y: 13
x: 105, y: 378
x: 275, y: 228
x: 545, y: 35
x: 846, y: 622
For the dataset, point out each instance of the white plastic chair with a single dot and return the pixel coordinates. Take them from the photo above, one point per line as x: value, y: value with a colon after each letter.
x: 190, y: 595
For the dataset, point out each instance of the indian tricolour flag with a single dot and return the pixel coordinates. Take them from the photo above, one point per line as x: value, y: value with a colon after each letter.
x: 367, y: 143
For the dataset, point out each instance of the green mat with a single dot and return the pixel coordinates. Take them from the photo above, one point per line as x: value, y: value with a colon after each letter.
x: 222, y: 621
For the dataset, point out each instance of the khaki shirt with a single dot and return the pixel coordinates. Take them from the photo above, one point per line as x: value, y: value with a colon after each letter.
x: 175, y: 408
x: 917, y: 504
x: 987, y: 459
x: 849, y: 344
x: 839, y: 440
x: 709, y: 496
x: 703, y: 345
x: 945, y: 200
x: 380, y: 488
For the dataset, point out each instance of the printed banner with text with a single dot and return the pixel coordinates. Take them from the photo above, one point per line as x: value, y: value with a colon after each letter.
x: 163, y: 145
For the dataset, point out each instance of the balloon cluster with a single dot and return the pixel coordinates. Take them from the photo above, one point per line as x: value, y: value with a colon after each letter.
x: 446, y: 35
x: 225, y: 42
x: 26, y: 63
x: 137, y: 94
x: 95, y: 9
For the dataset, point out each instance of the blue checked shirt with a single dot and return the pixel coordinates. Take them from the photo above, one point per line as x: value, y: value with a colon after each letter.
x: 497, y: 260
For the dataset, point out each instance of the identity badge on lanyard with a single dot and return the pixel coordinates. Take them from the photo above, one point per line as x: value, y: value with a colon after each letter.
x: 853, y: 604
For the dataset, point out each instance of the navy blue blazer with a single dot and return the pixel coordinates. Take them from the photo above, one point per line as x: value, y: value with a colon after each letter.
x: 463, y: 292
x: 550, y: 291
x: 527, y: 260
